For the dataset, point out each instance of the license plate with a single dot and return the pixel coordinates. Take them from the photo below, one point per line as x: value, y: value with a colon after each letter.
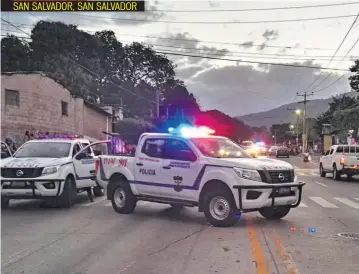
x: 18, y: 184
x: 284, y: 191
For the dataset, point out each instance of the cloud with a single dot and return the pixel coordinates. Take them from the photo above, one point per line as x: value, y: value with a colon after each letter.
x: 243, y: 89
x: 247, y: 44
x: 270, y: 35
x: 186, y: 44
x: 151, y: 13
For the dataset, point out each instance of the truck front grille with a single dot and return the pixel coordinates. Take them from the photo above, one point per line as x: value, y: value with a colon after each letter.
x: 26, y: 172
x: 277, y: 176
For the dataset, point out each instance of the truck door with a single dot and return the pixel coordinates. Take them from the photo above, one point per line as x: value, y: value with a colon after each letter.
x: 84, y: 165
x: 148, y: 170
x: 181, y: 168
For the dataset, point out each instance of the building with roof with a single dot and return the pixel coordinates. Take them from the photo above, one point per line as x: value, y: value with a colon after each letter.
x: 34, y: 102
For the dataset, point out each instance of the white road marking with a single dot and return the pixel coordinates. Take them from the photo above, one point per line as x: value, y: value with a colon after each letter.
x: 108, y: 204
x: 95, y: 202
x: 302, y: 205
x: 322, y: 202
x: 321, y: 184
x: 347, y: 202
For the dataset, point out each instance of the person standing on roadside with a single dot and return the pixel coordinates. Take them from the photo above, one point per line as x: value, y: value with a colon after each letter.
x: 11, y: 144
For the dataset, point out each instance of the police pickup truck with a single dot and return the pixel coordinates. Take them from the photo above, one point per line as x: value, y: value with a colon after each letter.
x: 49, y: 168
x: 190, y: 167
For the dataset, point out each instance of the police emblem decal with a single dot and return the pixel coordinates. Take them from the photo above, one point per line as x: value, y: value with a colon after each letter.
x: 178, y: 183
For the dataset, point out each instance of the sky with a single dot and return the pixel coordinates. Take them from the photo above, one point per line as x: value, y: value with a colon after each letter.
x: 234, y: 87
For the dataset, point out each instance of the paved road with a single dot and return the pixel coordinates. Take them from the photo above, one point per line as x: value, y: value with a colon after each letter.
x: 90, y: 238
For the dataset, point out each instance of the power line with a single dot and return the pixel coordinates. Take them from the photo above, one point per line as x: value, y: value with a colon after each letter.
x: 337, y: 65
x: 244, y: 44
x: 331, y: 83
x: 225, y: 59
x: 259, y: 9
x: 343, y: 40
x: 213, y: 23
x: 247, y: 61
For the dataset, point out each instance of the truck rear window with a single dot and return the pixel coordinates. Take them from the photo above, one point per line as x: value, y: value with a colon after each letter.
x: 348, y: 149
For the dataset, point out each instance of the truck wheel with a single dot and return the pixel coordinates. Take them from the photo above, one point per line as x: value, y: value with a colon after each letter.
x: 349, y: 177
x: 123, y: 200
x: 5, y: 202
x: 321, y: 171
x: 66, y: 198
x: 275, y: 213
x: 98, y: 191
x: 336, y: 173
x: 219, y: 208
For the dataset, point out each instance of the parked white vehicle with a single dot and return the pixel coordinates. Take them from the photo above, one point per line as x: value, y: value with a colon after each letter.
x: 52, y: 168
x: 339, y: 160
x: 197, y: 169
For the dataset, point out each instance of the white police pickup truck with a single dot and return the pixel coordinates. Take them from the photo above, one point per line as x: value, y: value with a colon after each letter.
x: 49, y: 168
x: 191, y: 168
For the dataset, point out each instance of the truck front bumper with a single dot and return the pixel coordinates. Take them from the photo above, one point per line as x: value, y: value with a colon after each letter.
x: 254, y: 197
x: 31, y: 188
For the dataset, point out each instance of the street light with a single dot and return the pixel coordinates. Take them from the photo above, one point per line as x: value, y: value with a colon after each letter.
x: 291, y: 127
x: 298, y: 112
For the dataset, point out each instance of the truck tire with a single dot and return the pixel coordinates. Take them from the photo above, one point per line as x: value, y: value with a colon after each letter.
x: 336, y: 174
x: 123, y: 200
x: 98, y: 191
x: 275, y: 213
x: 219, y: 208
x: 321, y: 171
x: 5, y: 202
x: 65, y: 200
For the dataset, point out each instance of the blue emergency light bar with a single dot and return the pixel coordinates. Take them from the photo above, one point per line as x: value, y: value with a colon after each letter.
x: 58, y: 136
x: 191, y: 132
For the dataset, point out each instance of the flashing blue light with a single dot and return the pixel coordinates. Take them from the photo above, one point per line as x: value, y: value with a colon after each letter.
x: 171, y: 129
x: 260, y: 143
x: 312, y: 229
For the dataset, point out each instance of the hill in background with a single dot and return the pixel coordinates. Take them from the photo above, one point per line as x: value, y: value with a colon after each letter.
x: 282, y: 115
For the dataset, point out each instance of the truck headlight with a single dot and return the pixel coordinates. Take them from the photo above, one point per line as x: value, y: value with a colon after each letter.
x: 249, y: 174
x: 50, y: 170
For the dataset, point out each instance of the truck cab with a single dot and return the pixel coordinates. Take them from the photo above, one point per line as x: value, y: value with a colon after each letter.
x: 197, y: 169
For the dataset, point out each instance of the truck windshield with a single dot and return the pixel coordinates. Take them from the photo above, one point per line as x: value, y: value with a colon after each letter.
x: 43, y: 150
x: 219, y: 148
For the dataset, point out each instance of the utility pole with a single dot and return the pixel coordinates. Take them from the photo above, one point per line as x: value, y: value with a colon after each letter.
x: 305, y: 130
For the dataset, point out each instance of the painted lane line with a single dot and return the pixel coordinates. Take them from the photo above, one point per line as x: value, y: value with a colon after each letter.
x: 95, y: 202
x: 302, y: 205
x: 108, y: 204
x: 287, y: 260
x: 257, y: 251
x: 321, y: 184
x: 320, y: 201
x: 347, y: 202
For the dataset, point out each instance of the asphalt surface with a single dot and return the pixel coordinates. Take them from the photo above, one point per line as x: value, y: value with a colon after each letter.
x: 90, y: 238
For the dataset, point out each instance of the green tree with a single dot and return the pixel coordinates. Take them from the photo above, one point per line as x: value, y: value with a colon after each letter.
x: 339, y: 103
x: 130, y: 129
x: 14, y: 54
x: 354, y: 79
